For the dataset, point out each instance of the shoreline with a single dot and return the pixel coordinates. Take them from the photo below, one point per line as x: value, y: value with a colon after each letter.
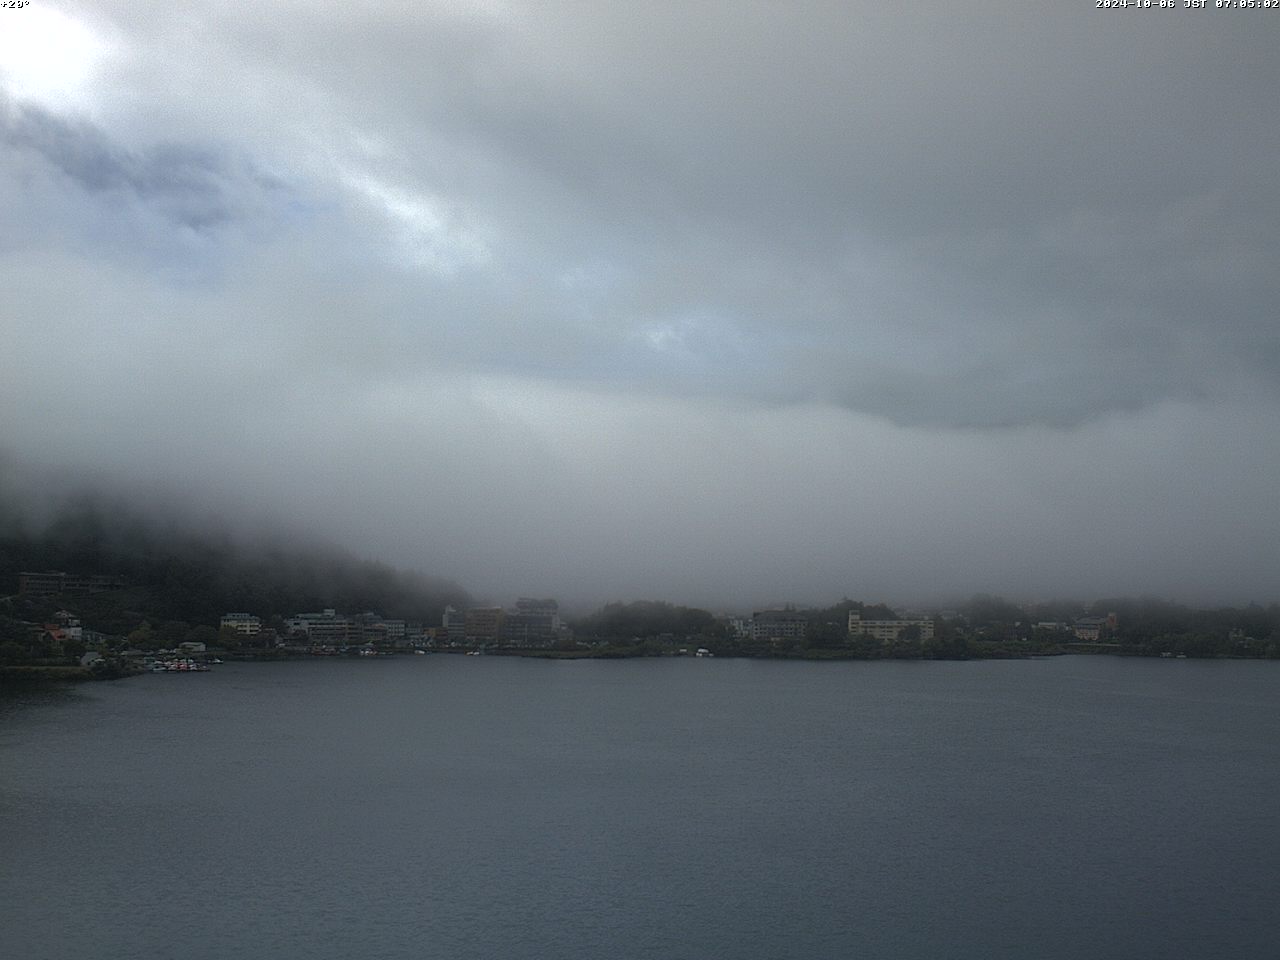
x: 24, y: 675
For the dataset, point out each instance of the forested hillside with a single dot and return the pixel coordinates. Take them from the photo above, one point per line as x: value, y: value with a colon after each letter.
x: 171, y: 570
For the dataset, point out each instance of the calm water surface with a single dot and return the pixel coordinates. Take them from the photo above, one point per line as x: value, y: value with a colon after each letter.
x: 481, y: 807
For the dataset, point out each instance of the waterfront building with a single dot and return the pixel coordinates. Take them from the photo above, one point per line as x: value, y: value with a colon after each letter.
x: 535, y: 623
x: 778, y: 625
x: 886, y: 631
x: 368, y: 627
x: 1093, y: 629
x: 325, y: 628
x: 1052, y: 626
x: 484, y: 624
x: 244, y: 624
x: 454, y: 624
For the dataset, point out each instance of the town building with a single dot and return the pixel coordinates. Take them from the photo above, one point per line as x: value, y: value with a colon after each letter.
x: 454, y: 625
x: 1093, y: 629
x: 778, y: 625
x: 325, y: 628
x: 484, y: 624
x: 886, y: 631
x: 534, y: 623
x: 69, y: 623
x: 366, y: 628
x: 244, y: 624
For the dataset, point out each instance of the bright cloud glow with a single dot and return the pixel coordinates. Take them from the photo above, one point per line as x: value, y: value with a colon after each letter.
x: 51, y: 58
x: 427, y: 232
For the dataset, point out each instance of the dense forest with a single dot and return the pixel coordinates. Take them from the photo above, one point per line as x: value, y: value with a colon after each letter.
x: 645, y: 619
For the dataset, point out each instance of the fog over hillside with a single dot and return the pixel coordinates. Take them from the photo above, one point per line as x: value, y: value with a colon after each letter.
x: 164, y: 564
x: 720, y: 303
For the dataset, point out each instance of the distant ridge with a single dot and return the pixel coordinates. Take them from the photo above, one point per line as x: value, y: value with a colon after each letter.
x: 172, y: 568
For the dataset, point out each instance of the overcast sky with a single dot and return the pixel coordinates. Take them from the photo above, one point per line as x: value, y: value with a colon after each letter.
x: 722, y: 303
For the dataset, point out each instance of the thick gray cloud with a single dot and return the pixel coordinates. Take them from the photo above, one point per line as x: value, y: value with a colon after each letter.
x: 192, y: 187
x: 725, y: 298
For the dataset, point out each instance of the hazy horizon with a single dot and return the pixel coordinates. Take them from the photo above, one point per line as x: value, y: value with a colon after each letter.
x: 35, y: 502
x: 722, y: 304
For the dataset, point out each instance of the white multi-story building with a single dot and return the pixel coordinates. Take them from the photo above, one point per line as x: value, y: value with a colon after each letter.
x: 245, y: 624
x: 886, y: 631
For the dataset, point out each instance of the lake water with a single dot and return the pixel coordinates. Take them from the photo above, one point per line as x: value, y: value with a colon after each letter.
x: 483, y: 807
